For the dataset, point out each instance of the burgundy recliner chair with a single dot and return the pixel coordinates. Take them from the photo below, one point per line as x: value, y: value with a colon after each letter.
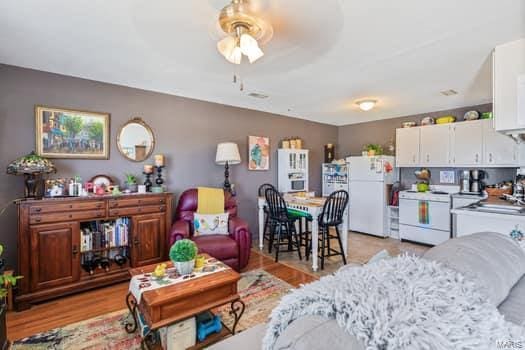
x: 232, y: 249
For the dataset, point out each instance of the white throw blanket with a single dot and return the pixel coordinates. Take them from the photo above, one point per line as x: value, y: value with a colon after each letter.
x: 400, y: 303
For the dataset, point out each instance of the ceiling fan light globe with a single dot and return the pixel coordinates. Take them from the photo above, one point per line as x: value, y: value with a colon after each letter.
x: 226, y: 46
x: 236, y: 55
x: 255, y: 55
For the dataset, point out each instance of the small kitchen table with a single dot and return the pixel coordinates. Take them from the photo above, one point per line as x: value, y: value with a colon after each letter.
x: 314, y: 207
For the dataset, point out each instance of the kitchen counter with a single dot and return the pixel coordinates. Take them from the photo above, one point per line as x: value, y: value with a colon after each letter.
x: 491, y: 201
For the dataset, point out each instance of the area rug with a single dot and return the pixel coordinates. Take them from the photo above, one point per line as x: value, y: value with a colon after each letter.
x: 260, y: 291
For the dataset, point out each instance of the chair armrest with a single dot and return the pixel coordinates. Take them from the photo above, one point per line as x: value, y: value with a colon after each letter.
x: 179, y: 230
x: 240, y: 232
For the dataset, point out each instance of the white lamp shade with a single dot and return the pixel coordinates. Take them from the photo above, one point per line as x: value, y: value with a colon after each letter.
x: 227, y: 152
x: 226, y: 46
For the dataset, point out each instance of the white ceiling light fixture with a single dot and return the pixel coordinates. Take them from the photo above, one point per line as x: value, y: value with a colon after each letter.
x: 245, y: 32
x: 366, y: 105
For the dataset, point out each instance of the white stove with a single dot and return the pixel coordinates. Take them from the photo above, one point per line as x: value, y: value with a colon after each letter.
x: 425, y: 216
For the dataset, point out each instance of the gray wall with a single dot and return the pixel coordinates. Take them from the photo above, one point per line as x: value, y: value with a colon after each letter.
x: 187, y: 132
x: 352, y: 138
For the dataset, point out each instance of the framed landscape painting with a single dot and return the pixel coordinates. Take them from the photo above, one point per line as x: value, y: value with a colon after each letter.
x: 66, y: 133
x: 258, y: 153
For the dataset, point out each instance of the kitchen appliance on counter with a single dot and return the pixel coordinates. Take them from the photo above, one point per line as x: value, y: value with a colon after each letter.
x: 424, y: 217
x: 472, y: 181
x: 371, y: 179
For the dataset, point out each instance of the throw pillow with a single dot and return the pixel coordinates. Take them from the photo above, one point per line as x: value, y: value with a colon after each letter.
x: 207, y: 224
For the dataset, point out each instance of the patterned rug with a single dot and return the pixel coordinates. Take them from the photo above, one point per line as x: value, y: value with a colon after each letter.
x: 259, y: 290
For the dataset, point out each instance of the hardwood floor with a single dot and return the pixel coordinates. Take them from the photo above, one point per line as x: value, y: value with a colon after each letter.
x: 78, y: 307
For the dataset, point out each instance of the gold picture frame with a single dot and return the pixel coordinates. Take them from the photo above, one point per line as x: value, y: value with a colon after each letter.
x: 71, y: 134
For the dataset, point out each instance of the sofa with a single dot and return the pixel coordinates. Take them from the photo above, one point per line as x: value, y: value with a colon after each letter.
x: 493, y: 261
x: 232, y: 249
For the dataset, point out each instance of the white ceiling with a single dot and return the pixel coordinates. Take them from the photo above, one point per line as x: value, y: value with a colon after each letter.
x: 324, y: 54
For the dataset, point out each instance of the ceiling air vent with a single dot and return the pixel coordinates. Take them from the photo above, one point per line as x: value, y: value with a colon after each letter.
x: 449, y: 92
x: 257, y: 95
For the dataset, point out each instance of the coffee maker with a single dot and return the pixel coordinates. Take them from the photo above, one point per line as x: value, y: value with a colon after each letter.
x: 519, y: 184
x: 472, y: 181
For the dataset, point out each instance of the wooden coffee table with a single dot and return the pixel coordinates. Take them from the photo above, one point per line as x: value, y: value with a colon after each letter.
x: 170, y: 304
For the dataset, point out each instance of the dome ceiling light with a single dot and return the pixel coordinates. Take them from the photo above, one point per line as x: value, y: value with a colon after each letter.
x: 366, y: 105
x: 245, y: 31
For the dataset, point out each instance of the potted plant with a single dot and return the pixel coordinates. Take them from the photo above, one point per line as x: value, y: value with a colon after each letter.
x: 131, y: 182
x: 182, y: 254
x: 5, y: 281
x: 373, y: 150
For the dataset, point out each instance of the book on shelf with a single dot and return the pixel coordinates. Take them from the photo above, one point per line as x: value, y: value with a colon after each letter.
x: 98, y: 235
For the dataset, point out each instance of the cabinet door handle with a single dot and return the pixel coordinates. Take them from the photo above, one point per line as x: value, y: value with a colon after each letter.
x: 428, y: 158
x: 414, y: 158
x: 490, y: 157
x: 75, y: 251
x: 38, y: 210
x: 477, y: 158
x: 136, y: 241
x: 161, y: 201
x: 38, y: 219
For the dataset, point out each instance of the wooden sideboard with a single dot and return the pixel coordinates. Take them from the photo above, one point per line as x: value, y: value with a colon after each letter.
x: 49, y: 241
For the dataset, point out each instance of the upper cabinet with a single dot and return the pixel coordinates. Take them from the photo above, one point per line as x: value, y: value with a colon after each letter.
x: 407, y: 145
x: 463, y: 144
x: 435, y: 145
x: 509, y: 87
x: 467, y: 143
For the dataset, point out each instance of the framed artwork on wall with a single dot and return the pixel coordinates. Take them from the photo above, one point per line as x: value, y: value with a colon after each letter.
x: 258, y: 153
x: 66, y: 133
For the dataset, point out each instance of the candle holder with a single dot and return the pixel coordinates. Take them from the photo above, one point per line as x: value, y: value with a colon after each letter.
x: 159, y: 180
x: 148, y: 182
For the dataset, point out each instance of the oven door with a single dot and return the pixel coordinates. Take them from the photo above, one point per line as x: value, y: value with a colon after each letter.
x: 425, y: 213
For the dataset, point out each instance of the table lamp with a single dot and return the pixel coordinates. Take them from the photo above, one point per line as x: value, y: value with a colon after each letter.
x: 227, y: 153
x: 32, y: 166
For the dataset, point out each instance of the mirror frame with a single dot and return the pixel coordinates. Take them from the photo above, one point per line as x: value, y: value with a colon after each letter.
x: 136, y: 120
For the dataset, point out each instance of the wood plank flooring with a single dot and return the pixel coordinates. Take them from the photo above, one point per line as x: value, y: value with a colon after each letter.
x: 78, y: 307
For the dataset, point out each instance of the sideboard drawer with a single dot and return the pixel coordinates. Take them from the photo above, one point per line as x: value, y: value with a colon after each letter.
x: 148, y: 209
x: 71, y: 206
x: 67, y: 216
x: 133, y: 202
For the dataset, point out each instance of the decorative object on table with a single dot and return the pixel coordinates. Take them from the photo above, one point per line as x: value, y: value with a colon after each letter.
x: 67, y: 133
x: 75, y: 186
x: 148, y: 171
x: 159, y: 160
x: 136, y: 140
x: 428, y: 121
x: 160, y: 271
x: 258, y: 153
x: 100, y: 190
x: 298, y: 143
x: 486, y: 115
x: 329, y: 152
x: 408, y: 124
x: 373, y: 150
x: 285, y: 143
x: 32, y: 167
x: 227, y: 154
x: 142, y: 189
x: 471, y: 115
x: 55, y: 187
x: 182, y: 254
x: 447, y: 119
x: 115, y: 191
x: 200, y: 261
x: 131, y: 182
x: 101, y: 180
x: 207, y: 224
x: 208, y: 323
x: 159, y: 181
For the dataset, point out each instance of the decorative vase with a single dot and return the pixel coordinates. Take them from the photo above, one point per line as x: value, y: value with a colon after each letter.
x: 133, y: 187
x: 371, y: 152
x: 184, y: 267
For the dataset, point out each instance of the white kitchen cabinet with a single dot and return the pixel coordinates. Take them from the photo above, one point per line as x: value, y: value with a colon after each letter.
x: 407, y: 147
x: 498, y: 149
x: 435, y: 145
x: 467, y: 143
x: 508, y: 74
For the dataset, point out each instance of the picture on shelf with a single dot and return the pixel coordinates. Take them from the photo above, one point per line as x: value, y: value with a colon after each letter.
x: 258, y: 153
x: 65, y: 133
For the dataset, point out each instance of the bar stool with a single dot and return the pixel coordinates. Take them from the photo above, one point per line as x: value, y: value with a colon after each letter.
x: 261, y: 193
x: 282, y: 224
x: 331, y: 216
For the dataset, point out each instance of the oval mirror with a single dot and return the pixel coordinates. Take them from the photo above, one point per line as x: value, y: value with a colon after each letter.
x: 135, y: 140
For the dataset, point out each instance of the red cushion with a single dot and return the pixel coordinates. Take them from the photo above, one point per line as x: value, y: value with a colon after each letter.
x: 221, y: 247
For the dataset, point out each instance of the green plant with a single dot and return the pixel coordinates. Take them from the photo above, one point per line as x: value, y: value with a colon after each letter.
x: 374, y: 147
x: 131, y: 179
x: 183, y: 250
x: 6, y: 280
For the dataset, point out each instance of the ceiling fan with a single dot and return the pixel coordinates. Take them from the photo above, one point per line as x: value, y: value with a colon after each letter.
x: 245, y: 30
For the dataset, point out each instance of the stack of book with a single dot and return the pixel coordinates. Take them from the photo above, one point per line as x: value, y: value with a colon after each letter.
x: 97, y: 235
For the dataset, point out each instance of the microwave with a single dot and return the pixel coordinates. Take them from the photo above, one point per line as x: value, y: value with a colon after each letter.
x: 298, y: 185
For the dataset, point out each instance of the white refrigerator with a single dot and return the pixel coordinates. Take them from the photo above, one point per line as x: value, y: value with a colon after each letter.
x: 370, y: 178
